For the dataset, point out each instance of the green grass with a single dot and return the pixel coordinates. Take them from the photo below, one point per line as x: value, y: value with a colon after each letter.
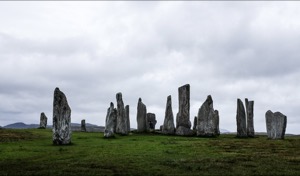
x: 30, y: 152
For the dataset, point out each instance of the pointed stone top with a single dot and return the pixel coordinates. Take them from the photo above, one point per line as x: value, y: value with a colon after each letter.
x: 169, y: 97
x: 112, y: 104
x: 140, y: 99
x: 56, y: 89
x: 42, y: 113
x: 209, y: 99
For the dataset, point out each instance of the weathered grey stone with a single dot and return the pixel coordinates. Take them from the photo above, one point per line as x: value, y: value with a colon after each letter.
x: 183, y: 131
x: 241, y: 119
x: 127, y: 118
x: 43, y: 121
x: 195, y: 123
x: 83, y: 127
x: 183, y: 115
x: 250, y: 122
x: 276, y: 125
x: 61, y: 119
x: 141, y: 117
x: 151, y: 121
x: 168, y: 126
x: 110, y: 122
x: 121, y: 119
x: 208, y: 119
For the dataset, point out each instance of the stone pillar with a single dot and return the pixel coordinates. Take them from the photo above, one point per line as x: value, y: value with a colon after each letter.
x: 195, y: 123
x: 276, y: 125
x: 169, y: 127
x: 208, y: 119
x: 151, y: 121
x: 241, y: 119
x: 110, y: 122
x: 121, y: 120
x: 141, y: 117
x: 183, y: 123
x: 250, y: 120
x: 83, y: 127
x: 43, y: 121
x: 61, y: 119
x: 127, y: 117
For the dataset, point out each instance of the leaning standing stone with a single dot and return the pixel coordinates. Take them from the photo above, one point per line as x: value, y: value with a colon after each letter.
x: 121, y: 119
x: 250, y: 122
x: 168, y: 127
x: 241, y: 119
x: 43, y: 121
x: 183, y: 123
x: 110, y: 122
x: 276, y: 125
x: 141, y: 117
x: 61, y: 119
x: 83, y: 127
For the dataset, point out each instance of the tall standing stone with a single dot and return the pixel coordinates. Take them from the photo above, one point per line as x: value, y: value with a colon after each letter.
x: 195, y: 123
x: 250, y: 121
x: 61, y: 119
x: 121, y: 119
x: 208, y: 119
x: 110, y: 121
x: 276, y: 125
x: 83, y: 127
x: 183, y: 123
x: 141, y: 117
x: 169, y: 127
x: 43, y: 121
x: 241, y: 119
x: 151, y: 121
x: 127, y: 117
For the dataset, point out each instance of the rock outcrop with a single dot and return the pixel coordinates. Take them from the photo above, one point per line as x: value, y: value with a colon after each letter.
x: 43, y: 121
x: 110, y: 122
x: 208, y: 119
x: 241, y: 119
x: 141, y: 117
x: 250, y: 121
x: 83, y: 127
x: 183, y: 123
x: 276, y: 125
x: 121, y: 119
x: 61, y: 119
x: 127, y: 118
x: 151, y: 121
x: 168, y: 126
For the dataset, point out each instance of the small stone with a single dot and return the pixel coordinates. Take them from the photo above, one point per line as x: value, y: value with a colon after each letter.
x: 276, y: 125
x: 151, y: 121
x: 241, y: 119
x: 110, y: 122
x: 168, y: 126
x: 83, y: 127
x: 141, y: 117
x: 43, y: 121
x: 61, y: 119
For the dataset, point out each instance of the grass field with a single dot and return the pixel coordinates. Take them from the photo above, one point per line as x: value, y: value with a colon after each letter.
x: 30, y: 152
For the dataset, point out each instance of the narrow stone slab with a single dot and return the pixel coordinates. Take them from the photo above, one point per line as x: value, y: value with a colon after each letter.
x: 127, y: 118
x: 250, y: 116
x: 208, y: 119
x: 276, y: 125
x: 151, y: 121
x: 168, y: 126
x: 121, y: 119
x: 43, y: 121
x: 141, y: 116
x: 61, y: 119
x: 241, y: 119
x: 195, y: 123
x: 183, y: 115
x: 110, y: 122
x: 83, y: 127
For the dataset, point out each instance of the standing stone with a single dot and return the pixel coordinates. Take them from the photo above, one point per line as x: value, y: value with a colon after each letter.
x: 208, y: 119
x: 195, y: 123
x: 241, y: 119
x: 183, y: 123
x: 151, y: 121
x: 127, y: 117
x: 83, y: 127
x: 250, y: 122
x: 276, y: 125
x: 61, y: 119
x: 141, y: 117
x: 168, y: 127
x: 121, y: 119
x: 110, y: 122
x: 43, y: 121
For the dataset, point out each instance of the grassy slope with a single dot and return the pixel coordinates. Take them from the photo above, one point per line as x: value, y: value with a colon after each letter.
x: 30, y: 152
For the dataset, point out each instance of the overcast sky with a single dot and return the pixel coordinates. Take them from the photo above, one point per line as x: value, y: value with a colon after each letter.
x: 93, y: 50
